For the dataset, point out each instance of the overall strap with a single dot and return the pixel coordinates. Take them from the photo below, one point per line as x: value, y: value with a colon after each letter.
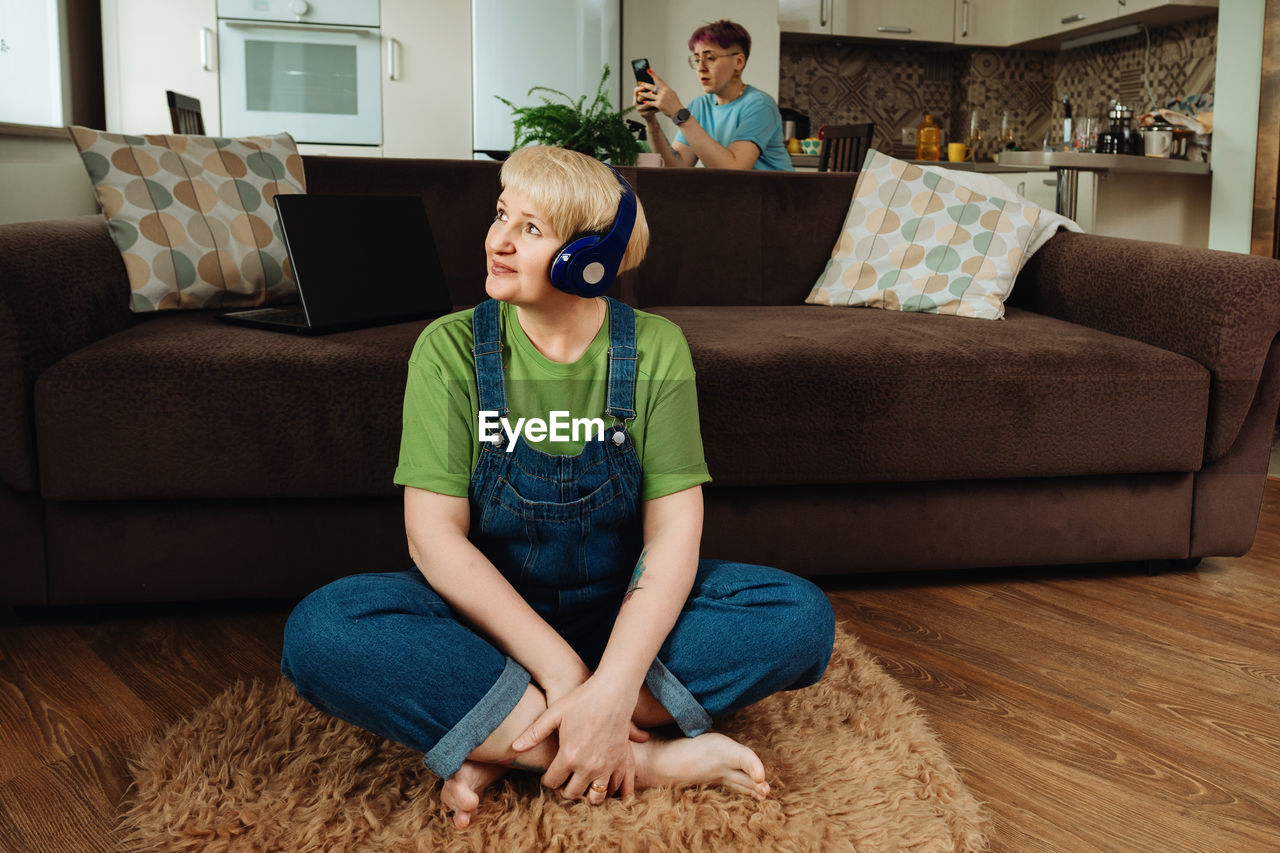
x: 487, y: 334
x: 621, y: 394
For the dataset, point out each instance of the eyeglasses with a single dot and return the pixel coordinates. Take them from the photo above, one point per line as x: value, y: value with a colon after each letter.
x: 707, y: 58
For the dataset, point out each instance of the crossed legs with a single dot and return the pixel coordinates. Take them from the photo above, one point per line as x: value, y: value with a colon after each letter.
x: 371, y: 650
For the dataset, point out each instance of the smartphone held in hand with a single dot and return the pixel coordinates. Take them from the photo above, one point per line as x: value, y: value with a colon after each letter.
x: 643, y: 74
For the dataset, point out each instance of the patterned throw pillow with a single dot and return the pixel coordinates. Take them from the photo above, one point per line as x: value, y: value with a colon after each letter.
x: 194, y: 216
x: 916, y: 238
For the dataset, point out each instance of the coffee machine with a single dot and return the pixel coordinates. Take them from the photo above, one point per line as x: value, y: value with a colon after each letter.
x: 1120, y: 137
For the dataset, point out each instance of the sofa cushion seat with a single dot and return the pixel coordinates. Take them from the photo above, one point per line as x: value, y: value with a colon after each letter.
x: 190, y: 407
x: 803, y: 394
x: 186, y: 406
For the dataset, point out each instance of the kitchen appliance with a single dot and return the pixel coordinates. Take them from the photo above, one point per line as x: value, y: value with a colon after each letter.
x: 311, y: 68
x: 1120, y: 137
x: 801, y: 120
x: 1157, y: 139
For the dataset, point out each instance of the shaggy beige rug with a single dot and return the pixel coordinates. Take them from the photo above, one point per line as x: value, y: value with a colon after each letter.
x: 852, y: 764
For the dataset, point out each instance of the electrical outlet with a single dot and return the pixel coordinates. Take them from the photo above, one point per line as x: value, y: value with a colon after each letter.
x: 909, y: 136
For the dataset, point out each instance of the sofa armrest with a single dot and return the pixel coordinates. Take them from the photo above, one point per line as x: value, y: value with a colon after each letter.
x: 1219, y: 308
x: 62, y: 286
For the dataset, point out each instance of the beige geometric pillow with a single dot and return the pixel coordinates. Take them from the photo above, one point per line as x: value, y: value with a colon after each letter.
x: 194, y: 217
x: 915, y: 239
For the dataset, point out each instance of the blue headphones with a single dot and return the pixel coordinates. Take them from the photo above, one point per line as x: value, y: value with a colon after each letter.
x: 588, y: 263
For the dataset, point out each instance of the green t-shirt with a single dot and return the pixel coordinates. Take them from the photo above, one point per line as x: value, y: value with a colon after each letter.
x: 440, y: 441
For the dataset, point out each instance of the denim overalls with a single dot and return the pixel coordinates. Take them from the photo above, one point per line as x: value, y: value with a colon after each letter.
x: 385, y: 652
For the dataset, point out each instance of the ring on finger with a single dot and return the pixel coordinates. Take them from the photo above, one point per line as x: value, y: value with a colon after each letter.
x: 599, y: 787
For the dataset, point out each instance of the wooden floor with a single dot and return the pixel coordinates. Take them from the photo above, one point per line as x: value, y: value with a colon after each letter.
x: 1092, y: 710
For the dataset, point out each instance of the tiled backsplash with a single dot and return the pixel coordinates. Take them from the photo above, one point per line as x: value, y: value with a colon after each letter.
x: 895, y: 86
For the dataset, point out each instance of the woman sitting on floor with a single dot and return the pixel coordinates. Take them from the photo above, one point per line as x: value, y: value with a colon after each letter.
x: 558, y: 614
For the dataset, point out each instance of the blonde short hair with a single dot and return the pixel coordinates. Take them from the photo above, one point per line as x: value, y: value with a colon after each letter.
x: 575, y: 193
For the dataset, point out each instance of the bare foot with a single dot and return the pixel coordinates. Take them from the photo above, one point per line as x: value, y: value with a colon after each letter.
x: 708, y: 759
x: 461, y: 791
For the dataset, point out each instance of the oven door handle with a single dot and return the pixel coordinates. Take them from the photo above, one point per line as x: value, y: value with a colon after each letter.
x: 310, y: 28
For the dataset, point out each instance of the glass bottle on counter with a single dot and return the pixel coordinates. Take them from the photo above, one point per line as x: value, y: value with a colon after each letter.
x: 928, y: 139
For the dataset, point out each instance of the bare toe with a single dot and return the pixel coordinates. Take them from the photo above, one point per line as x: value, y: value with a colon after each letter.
x: 459, y: 799
x: 460, y: 793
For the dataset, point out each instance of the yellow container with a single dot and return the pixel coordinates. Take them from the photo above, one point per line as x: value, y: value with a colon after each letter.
x: 928, y: 139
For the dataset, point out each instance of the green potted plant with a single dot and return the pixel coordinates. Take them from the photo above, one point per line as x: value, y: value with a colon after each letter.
x: 597, y: 130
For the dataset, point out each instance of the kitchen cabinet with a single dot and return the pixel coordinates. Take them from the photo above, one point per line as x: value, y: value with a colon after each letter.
x: 1044, y: 25
x: 984, y: 23
x: 1129, y: 7
x: 812, y: 17
x: 1048, y: 18
x: 904, y: 20
x: 153, y: 45
x: 1039, y: 188
x: 426, y: 78
x: 148, y: 47
x: 897, y: 20
x: 1032, y: 24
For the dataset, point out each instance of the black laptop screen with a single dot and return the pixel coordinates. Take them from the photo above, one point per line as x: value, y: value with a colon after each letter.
x: 359, y: 258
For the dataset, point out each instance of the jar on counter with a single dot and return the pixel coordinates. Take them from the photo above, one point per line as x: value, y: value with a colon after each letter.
x: 1182, y: 138
x: 928, y: 139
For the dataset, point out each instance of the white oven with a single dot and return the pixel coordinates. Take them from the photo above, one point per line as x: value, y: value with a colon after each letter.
x: 311, y: 68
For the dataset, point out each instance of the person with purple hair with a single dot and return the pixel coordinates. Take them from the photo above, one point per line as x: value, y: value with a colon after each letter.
x: 732, y: 125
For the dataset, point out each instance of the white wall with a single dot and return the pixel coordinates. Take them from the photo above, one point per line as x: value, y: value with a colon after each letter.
x: 1235, y: 123
x: 661, y: 30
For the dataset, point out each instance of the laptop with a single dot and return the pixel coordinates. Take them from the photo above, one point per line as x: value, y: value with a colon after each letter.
x: 358, y: 260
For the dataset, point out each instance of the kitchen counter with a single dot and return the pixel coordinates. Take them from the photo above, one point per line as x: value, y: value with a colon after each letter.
x: 1069, y: 164
x: 1100, y: 162
x: 975, y: 166
x: 810, y: 161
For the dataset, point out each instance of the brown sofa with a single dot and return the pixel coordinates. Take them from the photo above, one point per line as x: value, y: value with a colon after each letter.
x: 1123, y: 411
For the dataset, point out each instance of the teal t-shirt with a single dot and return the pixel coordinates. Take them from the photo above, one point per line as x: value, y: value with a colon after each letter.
x: 440, y: 440
x: 753, y: 116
